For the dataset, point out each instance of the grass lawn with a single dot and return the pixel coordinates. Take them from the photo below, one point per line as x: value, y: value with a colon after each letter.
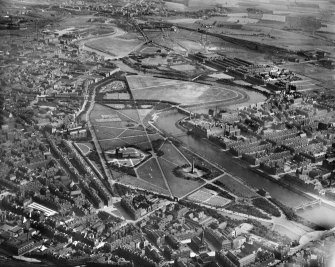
x: 326, y: 76
x: 138, y: 82
x: 151, y: 173
x: 173, y: 155
x: 143, y: 113
x: 130, y: 114
x: 200, y: 196
x: 85, y: 147
x: 183, y: 67
x: 146, y: 87
x: 186, y: 93
x: 199, y: 163
x: 237, y: 188
x: 179, y: 186
x: 107, y: 132
x: 114, y: 46
x: 133, y: 181
x: 135, y: 140
x: 217, y: 201
x: 112, y: 144
x: 121, y: 127
x: 131, y: 133
x: 145, y: 146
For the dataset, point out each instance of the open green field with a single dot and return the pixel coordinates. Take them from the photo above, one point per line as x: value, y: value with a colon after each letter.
x: 234, y: 186
x: 137, y: 82
x: 114, y: 46
x: 179, y: 186
x: 151, y: 173
x: 209, y: 197
x: 117, y: 128
x: 140, y: 183
x: 85, y: 148
x: 172, y: 155
x: 133, y: 140
x: 105, y: 116
x: 143, y: 113
x: 183, y: 67
x: 144, y: 87
x: 123, y: 128
x: 201, y: 164
x: 105, y: 132
x: 157, y: 60
x: 131, y: 133
x: 131, y: 114
x: 112, y: 144
x: 325, y: 76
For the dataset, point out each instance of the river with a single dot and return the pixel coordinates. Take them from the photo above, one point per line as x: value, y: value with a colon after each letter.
x: 323, y: 216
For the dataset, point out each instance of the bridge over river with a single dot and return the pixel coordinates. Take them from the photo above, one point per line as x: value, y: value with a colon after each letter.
x: 311, y: 204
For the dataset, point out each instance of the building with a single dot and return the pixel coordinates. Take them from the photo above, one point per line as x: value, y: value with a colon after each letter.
x: 238, y: 242
x: 19, y: 246
x: 217, y: 239
x: 240, y: 259
x: 127, y: 152
x: 198, y: 243
x: 126, y: 203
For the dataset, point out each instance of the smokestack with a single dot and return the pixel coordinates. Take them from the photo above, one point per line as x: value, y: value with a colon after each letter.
x: 192, y: 170
x: 203, y: 236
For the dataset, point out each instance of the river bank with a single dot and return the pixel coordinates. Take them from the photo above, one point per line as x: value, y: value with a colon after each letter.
x: 166, y: 121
